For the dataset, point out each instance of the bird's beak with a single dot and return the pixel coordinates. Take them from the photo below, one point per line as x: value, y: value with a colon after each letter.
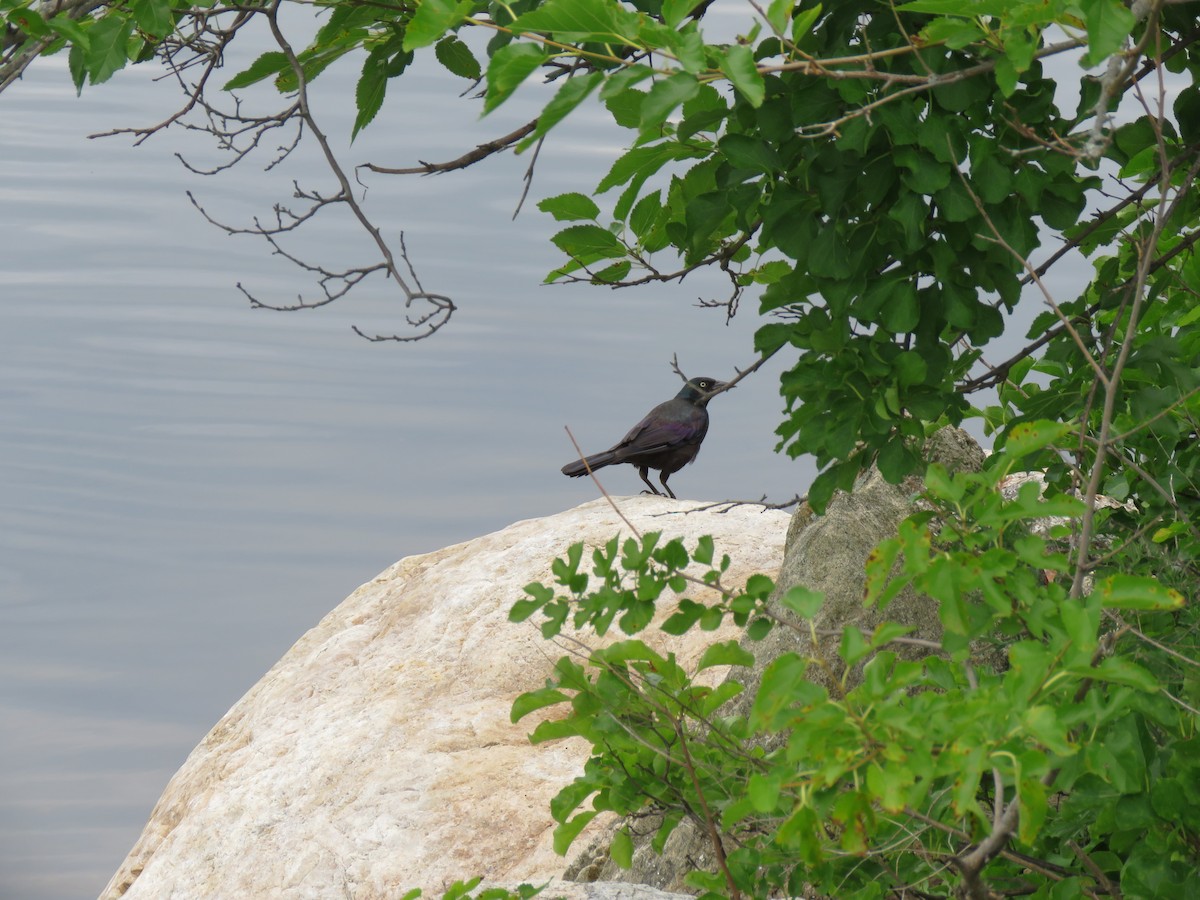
x: 720, y: 385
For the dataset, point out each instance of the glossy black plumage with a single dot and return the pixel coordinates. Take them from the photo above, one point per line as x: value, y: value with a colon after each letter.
x: 666, y: 440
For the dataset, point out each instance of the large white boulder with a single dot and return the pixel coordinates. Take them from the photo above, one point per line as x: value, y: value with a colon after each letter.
x: 377, y: 755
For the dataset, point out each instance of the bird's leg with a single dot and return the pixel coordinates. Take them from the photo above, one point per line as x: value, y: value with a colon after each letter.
x: 663, y: 479
x: 644, y: 471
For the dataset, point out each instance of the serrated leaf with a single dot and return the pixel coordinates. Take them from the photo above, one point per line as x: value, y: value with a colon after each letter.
x: 75, y: 65
x: 853, y: 646
x: 886, y: 632
x: 719, y: 696
x: 573, y: 92
x: 1109, y: 23
x: 28, y: 21
x: 642, y: 219
x: 725, y: 653
x: 612, y: 274
x: 739, y: 66
x: 571, y: 207
x: 433, y: 19
x: 266, y: 66
x: 588, y: 243
x: 580, y: 20
x: 313, y: 61
x: 778, y: 15
x: 457, y: 57
x: 764, y: 791
x: 957, y: 7
x: 370, y: 90
x: 641, y: 162
x: 1026, y: 437
x: 1119, y: 670
x: 105, y: 53
x: 665, y: 97
x: 804, y: 21
x: 510, y: 66
x: 71, y: 30
x: 1137, y: 592
x: 746, y: 152
x: 154, y: 17
x: 802, y: 601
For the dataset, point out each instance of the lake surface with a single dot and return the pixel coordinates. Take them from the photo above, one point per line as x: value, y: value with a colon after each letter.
x: 187, y: 485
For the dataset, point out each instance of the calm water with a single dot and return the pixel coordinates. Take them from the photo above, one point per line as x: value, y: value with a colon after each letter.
x: 187, y: 485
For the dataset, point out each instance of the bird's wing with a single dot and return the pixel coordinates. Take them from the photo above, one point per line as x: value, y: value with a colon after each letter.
x: 661, y: 432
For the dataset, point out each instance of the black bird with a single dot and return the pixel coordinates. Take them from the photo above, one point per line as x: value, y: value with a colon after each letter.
x: 667, y: 439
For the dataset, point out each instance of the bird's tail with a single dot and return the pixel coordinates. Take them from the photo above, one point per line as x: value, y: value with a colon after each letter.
x: 595, y: 461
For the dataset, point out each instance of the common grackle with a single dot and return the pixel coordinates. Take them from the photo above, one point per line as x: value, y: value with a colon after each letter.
x: 667, y: 439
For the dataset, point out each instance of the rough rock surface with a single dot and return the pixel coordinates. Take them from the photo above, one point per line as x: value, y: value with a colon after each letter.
x: 377, y: 755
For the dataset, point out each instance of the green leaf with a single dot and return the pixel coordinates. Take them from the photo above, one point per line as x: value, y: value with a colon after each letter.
x: 853, y: 647
x: 566, y: 833
x: 313, y: 61
x: 554, y: 730
x: 71, y: 30
x: 266, y: 66
x: 105, y: 53
x: 759, y: 629
x: 75, y: 64
x: 804, y: 21
x: 155, y: 17
x: 27, y: 21
x: 722, y: 694
x: 509, y: 66
x: 675, y: 11
x: 1026, y: 437
x: 1119, y: 671
x: 641, y: 162
x: 1033, y: 806
x: 621, y: 849
x: 457, y: 58
x: 1109, y: 23
x: 1006, y: 76
x: 749, y: 153
x: 886, y: 632
x: 581, y: 20
x: 778, y: 15
x: 535, y: 700
x: 725, y: 653
x: 902, y: 309
x: 665, y: 96
x: 370, y: 90
x: 433, y: 19
x: 1137, y: 592
x: 573, y: 92
x: 802, y: 601
x: 958, y: 7
x: 588, y: 243
x: 571, y: 207
x: 764, y: 791
x: 783, y: 686
x: 739, y: 66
